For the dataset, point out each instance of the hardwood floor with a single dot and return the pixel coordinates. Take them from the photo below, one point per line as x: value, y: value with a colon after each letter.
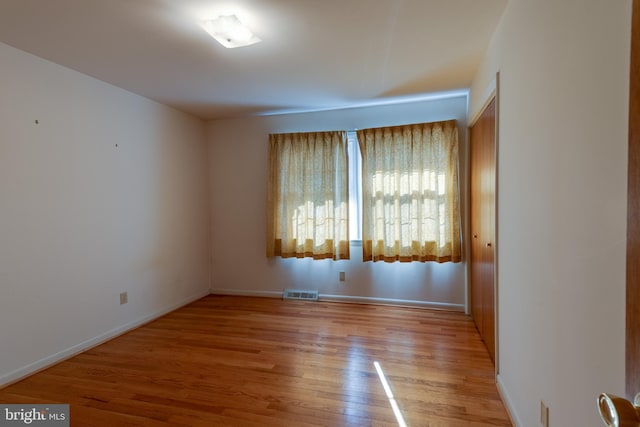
x: 238, y: 361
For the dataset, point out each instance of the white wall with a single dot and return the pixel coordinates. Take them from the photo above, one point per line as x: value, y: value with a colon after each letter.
x: 238, y: 160
x: 562, y: 203
x: 82, y: 220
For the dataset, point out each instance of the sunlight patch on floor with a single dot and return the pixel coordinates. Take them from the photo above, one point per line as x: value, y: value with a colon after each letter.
x: 392, y: 400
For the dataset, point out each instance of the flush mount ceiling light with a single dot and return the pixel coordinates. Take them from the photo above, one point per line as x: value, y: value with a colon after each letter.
x: 230, y: 32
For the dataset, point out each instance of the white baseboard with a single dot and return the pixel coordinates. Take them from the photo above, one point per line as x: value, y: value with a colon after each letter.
x: 51, y: 360
x: 393, y: 301
x: 347, y: 298
x: 247, y: 293
x: 502, y: 390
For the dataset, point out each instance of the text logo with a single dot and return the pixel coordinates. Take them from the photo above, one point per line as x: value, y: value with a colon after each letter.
x: 36, y: 415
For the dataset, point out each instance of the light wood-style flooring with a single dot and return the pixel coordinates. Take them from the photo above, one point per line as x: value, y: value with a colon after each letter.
x: 239, y: 361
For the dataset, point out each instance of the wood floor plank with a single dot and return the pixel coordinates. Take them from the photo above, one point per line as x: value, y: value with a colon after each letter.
x: 264, y: 362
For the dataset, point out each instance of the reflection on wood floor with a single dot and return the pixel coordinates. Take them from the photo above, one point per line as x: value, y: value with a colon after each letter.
x: 239, y: 361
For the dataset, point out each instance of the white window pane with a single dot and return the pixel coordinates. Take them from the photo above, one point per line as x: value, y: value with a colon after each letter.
x: 355, y: 187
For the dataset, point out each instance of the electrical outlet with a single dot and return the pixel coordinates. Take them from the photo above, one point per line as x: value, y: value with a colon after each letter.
x: 342, y: 276
x: 124, y: 298
x: 544, y: 414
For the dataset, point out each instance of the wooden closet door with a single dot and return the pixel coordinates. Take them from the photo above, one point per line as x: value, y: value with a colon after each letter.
x: 475, y: 266
x: 483, y: 178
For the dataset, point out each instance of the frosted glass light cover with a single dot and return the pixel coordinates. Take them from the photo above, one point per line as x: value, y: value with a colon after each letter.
x: 230, y: 32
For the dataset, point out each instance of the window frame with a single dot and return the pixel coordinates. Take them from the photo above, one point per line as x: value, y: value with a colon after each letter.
x: 354, y: 170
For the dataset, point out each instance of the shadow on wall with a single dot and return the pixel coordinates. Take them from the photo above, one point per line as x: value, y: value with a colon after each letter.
x: 415, y: 281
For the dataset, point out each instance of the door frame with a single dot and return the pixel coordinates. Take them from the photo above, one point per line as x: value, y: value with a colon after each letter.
x: 633, y: 215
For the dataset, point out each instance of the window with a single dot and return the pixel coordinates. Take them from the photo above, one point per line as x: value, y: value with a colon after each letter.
x: 307, y: 196
x: 394, y: 188
x: 410, y: 193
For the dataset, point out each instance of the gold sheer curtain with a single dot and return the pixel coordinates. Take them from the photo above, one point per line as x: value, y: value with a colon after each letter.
x: 411, y: 202
x: 307, y: 196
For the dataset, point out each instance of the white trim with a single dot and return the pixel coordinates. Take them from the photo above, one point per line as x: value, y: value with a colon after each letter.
x: 247, y: 293
x: 393, y: 301
x: 489, y: 93
x: 46, y: 362
x: 348, y: 299
x: 496, y: 234
x: 508, y: 403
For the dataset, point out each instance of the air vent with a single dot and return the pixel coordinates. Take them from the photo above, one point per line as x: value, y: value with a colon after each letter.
x: 300, y: 294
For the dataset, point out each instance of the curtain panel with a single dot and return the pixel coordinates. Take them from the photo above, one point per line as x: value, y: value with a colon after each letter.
x: 411, y: 202
x: 307, y: 196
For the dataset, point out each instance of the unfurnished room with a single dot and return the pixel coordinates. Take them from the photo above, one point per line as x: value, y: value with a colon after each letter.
x: 320, y: 213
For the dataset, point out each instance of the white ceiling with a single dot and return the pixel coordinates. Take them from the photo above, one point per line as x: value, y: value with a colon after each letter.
x: 315, y: 54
